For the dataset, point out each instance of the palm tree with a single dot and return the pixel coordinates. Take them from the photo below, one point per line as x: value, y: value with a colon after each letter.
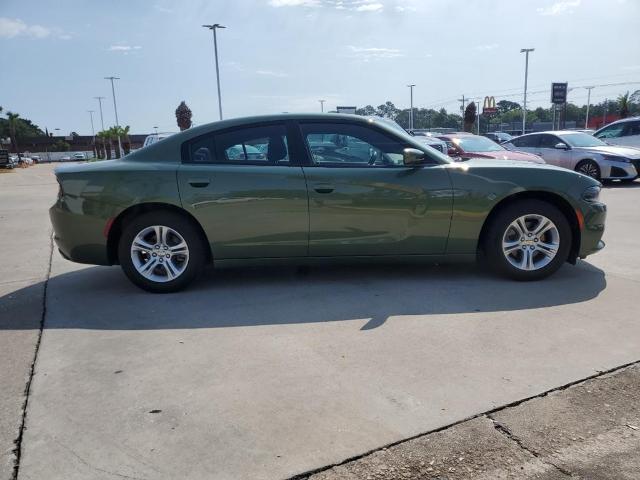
x: 183, y: 116
x: 126, y: 141
x: 623, y: 102
x: 13, y: 120
x: 114, y: 133
x: 469, y: 117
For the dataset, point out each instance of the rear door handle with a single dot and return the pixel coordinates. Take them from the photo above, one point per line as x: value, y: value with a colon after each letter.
x: 198, y: 182
x: 323, y: 188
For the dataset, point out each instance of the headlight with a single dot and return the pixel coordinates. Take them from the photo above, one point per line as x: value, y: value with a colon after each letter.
x: 591, y: 194
x: 615, y: 158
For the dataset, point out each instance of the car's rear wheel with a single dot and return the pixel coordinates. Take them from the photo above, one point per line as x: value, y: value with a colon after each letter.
x: 161, y: 251
x: 528, y: 240
x: 589, y: 168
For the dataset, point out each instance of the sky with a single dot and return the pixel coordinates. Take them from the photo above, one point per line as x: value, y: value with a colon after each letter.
x: 285, y: 55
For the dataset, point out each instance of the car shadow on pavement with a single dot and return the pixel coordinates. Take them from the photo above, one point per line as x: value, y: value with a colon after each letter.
x: 616, y: 185
x: 102, y: 298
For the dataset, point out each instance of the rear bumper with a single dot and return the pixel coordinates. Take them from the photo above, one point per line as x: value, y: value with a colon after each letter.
x: 79, y: 237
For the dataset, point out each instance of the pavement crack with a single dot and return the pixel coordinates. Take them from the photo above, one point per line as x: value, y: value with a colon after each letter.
x: 504, y: 430
x: 97, y: 469
x: 17, y: 448
x: 599, y: 374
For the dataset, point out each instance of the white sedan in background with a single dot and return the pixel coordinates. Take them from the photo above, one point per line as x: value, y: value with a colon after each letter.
x: 581, y: 152
x: 623, y: 132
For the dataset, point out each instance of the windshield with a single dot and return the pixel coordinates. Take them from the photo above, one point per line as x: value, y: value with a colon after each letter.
x: 579, y: 139
x: 474, y: 143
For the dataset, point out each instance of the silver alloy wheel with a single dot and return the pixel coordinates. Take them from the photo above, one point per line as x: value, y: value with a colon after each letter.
x: 590, y: 169
x: 159, y: 253
x: 531, y: 242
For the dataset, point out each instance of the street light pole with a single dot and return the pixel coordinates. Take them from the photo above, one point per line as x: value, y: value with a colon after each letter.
x: 586, y: 122
x: 93, y: 131
x: 411, y: 112
x: 322, y: 105
x: 100, y: 104
x: 526, y: 75
x: 115, y: 109
x: 215, y: 49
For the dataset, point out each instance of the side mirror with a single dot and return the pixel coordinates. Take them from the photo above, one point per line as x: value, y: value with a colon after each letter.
x: 452, y: 152
x: 562, y: 146
x: 412, y: 157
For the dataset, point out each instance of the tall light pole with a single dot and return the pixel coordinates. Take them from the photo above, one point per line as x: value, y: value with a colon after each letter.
x: 93, y: 131
x: 322, y: 105
x: 526, y: 75
x: 115, y: 109
x: 586, y: 122
x: 100, y: 104
x: 215, y: 49
x: 411, y: 112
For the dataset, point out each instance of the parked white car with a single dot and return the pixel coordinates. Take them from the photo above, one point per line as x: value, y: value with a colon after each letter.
x: 622, y: 132
x: 581, y: 152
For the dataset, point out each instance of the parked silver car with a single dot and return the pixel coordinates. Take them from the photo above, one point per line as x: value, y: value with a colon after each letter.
x: 581, y: 152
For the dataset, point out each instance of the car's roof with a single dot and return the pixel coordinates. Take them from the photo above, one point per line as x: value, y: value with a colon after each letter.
x: 456, y: 135
x: 167, y: 148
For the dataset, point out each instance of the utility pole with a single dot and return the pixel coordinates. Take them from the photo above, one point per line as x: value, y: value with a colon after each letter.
x: 462, y: 110
x: 586, y: 122
x: 215, y: 50
x: 115, y: 109
x: 478, y: 115
x: 411, y: 112
x: 604, y: 117
x: 526, y: 75
x: 322, y: 105
x: 93, y: 131
x: 100, y: 104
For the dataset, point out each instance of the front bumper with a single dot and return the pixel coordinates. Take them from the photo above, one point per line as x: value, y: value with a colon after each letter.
x: 620, y: 170
x: 594, y: 215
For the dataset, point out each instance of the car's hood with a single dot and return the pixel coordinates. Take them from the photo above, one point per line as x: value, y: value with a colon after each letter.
x: 628, y: 152
x: 506, y: 155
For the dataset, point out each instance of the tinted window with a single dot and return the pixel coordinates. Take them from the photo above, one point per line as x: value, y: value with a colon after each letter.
x: 351, y: 146
x: 549, y: 141
x: 264, y: 145
x: 526, y: 141
x: 254, y: 145
x: 634, y: 128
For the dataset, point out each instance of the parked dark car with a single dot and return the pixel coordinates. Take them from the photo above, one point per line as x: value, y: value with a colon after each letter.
x: 5, y: 159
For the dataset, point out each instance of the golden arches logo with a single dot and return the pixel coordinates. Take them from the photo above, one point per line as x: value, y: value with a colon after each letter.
x: 489, y: 103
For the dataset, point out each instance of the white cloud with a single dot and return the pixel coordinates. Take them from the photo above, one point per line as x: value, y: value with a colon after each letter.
x: 294, y: 3
x: 373, y: 53
x: 484, y: 48
x: 271, y: 73
x: 352, y: 5
x: 369, y: 7
x: 13, y: 27
x: 559, y: 8
x: 162, y: 9
x: 124, y: 48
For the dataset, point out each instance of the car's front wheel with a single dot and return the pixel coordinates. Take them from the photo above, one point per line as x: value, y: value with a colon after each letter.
x: 589, y: 168
x: 528, y: 240
x: 161, y: 251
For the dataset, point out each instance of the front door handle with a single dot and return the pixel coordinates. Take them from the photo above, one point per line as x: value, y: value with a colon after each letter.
x: 323, y: 188
x: 198, y: 182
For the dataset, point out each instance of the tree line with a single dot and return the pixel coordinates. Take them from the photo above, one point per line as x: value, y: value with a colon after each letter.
x: 624, y: 106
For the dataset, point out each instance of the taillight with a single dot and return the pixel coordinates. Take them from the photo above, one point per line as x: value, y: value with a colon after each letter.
x: 60, y: 191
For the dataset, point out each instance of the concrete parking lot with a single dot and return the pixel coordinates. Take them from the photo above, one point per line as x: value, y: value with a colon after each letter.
x: 273, y: 372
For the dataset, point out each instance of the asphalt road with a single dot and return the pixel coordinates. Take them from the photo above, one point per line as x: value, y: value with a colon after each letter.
x: 269, y: 373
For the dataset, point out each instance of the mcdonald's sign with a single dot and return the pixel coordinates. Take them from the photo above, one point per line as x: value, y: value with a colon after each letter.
x: 489, y: 106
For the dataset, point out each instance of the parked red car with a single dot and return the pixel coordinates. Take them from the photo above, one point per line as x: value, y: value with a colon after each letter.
x: 464, y: 146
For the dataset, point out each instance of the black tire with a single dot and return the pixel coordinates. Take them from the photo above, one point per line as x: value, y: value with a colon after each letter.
x: 492, y: 243
x: 589, y: 168
x: 184, y: 227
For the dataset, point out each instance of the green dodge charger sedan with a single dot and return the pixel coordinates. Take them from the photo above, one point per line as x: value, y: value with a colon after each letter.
x: 317, y: 188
